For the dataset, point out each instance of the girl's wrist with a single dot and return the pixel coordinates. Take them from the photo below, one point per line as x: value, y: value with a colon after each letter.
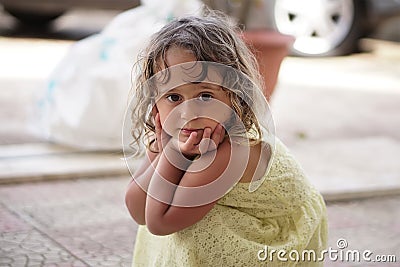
x: 187, y: 155
x: 191, y: 157
x: 177, y: 157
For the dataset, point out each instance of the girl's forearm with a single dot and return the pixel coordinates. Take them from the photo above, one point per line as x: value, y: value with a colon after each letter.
x: 161, y: 190
x: 162, y: 217
x: 136, y: 194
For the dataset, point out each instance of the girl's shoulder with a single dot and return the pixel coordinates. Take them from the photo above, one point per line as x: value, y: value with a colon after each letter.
x: 276, y: 172
x: 257, y: 162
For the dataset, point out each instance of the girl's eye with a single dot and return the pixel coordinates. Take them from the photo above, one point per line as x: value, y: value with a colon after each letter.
x: 174, y: 98
x: 205, y: 97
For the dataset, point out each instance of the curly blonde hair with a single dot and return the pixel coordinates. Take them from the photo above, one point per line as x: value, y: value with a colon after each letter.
x: 211, y: 37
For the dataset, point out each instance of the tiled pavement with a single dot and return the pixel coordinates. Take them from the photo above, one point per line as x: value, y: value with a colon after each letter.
x: 69, y: 223
x: 84, y: 223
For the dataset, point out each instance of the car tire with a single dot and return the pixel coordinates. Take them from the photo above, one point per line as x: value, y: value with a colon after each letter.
x: 30, y: 18
x: 329, y: 30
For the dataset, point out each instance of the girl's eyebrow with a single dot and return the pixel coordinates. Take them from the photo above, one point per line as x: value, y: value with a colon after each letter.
x: 172, y: 91
x: 210, y: 86
x: 202, y: 86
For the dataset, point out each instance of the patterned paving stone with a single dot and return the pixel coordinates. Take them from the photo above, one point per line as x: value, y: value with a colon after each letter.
x: 32, y: 248
x: 87, y: 217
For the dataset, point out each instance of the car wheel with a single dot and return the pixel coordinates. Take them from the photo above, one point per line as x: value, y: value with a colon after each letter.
x: 32, y: 18
x: 321, y: 27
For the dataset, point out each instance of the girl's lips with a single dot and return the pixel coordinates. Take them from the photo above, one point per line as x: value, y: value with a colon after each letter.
x: 187, y: 132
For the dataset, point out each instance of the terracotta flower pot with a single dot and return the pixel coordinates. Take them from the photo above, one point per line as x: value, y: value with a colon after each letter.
x: 270, y: 48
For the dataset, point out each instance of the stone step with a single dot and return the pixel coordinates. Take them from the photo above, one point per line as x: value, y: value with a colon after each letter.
x: 46, y: 161
x: 349, y: 168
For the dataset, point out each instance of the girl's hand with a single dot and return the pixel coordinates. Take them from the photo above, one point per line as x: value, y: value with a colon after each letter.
x: 191, y: 147
x: 162, y: 138
x: 208, y: 142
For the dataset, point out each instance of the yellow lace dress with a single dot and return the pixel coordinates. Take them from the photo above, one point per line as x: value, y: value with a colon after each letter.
x: 249, y: 228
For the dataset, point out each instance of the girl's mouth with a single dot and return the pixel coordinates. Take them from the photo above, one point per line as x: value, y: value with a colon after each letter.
x: 188, y: 131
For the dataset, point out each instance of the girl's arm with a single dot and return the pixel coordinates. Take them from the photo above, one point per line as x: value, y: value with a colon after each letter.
x: 135, y: 197
x: 163, y: 218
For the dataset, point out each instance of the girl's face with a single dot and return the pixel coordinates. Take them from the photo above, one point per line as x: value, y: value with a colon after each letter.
x: 192, y: 106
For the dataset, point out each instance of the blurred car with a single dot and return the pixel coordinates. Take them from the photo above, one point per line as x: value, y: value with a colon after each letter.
x: 321, y: 27
x: 42, y: 12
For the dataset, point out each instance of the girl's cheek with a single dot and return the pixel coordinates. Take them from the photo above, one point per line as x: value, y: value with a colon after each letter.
x: 167, y: 125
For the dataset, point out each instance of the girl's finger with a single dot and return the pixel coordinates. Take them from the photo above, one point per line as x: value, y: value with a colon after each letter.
x: 206, y: 133
x: 191, y: 141
x: 158, y: 131
x: 154, y: 111
x: 216, y: 135
x: 157, y: 122
x: 204, y: 145
x: 222, y: 134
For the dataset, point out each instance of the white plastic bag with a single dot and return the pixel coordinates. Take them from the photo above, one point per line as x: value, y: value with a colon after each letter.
x: 87, y: 93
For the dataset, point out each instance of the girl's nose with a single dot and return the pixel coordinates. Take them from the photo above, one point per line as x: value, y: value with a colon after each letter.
x: 188, y: 110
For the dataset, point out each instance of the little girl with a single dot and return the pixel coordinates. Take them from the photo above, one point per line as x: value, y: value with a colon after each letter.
x: 215, y: 187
